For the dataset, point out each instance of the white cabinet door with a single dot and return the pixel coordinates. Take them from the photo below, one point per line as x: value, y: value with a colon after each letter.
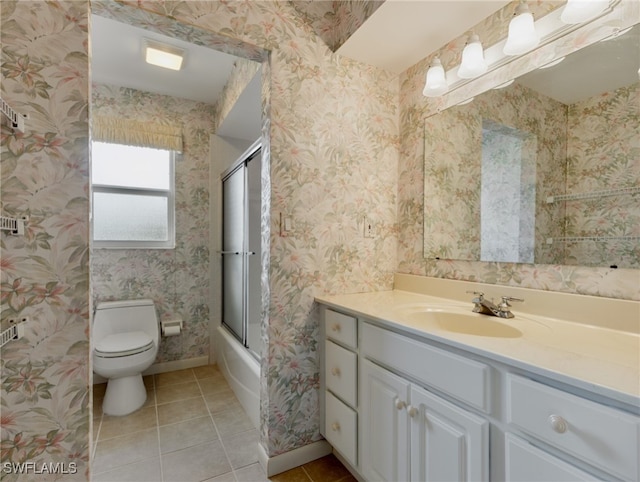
x: 448, y: 443
x: 384, y: 434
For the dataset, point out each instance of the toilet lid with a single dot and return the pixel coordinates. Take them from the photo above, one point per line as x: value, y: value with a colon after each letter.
x: 123, y: 344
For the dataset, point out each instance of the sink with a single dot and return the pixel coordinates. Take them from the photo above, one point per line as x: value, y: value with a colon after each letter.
x: 467, y: 323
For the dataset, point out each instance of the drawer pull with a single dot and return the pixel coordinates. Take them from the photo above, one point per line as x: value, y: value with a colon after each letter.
x: 335, y: 327
x: 558, y: 424
x: 335, y: 371
x: 400, y: 404
x: 412, y: 411
x: 335, y: 426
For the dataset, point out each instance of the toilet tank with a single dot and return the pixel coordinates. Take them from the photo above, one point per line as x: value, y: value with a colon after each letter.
x: 121, y: 316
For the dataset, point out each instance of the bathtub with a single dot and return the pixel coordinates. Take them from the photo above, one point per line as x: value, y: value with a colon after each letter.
x: 242, y: 372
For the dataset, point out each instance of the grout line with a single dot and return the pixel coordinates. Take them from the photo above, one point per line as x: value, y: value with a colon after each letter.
x: 215, y: 426
x: 306, y: 473
x: 155, y: 405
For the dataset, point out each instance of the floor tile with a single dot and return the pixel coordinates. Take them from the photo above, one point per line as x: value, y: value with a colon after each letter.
x: 186, y: 434
x: 195, y: 463
x: 182, y: 410
x: 241, y: 448
x: 179, y: 391
x: 213, y: 385
x: 294, y: 475
x: 229, y: 422
x: 221, y: 401
x: 145, y: 471
x: 119, y: 451
x: 251, y: 473
x: 141, y: 419
x: 170, y: 378
x: 207, y: 371
x: 228, y: 477
x: 326, y: 469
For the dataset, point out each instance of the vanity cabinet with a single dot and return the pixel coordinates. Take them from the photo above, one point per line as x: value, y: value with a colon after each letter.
x: 400, y: 406
x: 411, y: 434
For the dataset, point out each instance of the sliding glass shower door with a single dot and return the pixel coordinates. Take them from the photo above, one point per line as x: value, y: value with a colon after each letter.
x: 241, y: 248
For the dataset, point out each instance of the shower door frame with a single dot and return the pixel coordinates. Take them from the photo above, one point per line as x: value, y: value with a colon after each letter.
x: 252, y: 153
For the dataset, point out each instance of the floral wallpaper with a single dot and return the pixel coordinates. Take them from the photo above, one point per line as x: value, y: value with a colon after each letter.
x: 332, y: 150
x: 242, y: 73
x: 415, y: 108
x: 335, y: 21
x: 604, y: 126
x: 45, y: 375
x: 456, y: 160
x: 176, y: 279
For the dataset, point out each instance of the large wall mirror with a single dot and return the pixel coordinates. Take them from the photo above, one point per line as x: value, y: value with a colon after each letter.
x: 545, y: 170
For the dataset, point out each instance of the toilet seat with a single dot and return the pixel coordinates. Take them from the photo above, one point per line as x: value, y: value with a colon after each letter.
x: 123, y: 344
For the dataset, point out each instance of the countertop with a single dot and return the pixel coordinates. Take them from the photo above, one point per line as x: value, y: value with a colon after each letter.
x: 601, y: 360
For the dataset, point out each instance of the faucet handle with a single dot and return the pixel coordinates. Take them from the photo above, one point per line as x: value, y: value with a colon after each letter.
x: 479, y: 293
x: 505, y: 305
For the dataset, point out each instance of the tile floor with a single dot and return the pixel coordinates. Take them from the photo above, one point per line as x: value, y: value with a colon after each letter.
x: 191, y: 428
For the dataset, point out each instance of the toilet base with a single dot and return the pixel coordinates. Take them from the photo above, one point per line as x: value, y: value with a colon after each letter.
x: 124, y: 395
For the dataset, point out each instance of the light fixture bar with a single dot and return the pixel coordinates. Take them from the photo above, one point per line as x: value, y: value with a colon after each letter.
x: 163, y: 55
x: 549, y: 28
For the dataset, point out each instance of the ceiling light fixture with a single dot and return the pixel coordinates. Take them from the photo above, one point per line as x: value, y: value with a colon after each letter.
x: 473, y: 62
x: 522, y: 32
x: 578, y: 11
x: 163, y: 55
x: 436, y: 82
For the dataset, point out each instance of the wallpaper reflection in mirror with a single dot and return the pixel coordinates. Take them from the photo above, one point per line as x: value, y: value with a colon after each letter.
x: 462, y: 175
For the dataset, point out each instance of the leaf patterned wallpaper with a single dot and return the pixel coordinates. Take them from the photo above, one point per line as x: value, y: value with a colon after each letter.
x: 415, y: 108
x: 176, y: 279
x: 345, y: 142
x: 45, y: 273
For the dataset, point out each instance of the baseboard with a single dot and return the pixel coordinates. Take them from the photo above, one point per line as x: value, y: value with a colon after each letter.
x: 294, y: 458
x: 164, y: 367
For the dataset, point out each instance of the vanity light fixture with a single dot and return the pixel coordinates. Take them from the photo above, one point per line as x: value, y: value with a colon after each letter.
x: 436, y: 81
x: 505, y: 84
x: 578, y: 11
x: 163, y: 55
x: 473, y: 62
x: 522, y: 32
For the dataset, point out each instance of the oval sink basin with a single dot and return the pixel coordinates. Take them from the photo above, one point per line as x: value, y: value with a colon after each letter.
x: 466, y: 323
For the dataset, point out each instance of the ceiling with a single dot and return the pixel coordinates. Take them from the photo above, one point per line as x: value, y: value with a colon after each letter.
x: 400, y: 33
x: 117, y: 59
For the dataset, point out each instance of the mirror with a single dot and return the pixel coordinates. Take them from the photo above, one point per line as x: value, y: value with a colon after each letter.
x: 545, y: 170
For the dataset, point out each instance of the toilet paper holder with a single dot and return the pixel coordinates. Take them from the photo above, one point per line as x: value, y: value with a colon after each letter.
x: 171, y: 327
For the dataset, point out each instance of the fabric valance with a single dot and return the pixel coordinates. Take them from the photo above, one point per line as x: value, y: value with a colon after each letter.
x: 136, y: 133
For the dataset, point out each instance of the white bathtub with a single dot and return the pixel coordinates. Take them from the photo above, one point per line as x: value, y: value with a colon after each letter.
x: 242, y: 372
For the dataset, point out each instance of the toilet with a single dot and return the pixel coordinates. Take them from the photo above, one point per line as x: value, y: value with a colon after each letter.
x: 125, y: 340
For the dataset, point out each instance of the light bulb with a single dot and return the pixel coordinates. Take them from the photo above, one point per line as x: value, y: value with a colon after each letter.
x: 473, y: 62
x: 436, y: 81
x: 522, y: 32
x: 578, y: 11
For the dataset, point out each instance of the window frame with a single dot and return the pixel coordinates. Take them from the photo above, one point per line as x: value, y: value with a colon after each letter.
x: 169, y: 194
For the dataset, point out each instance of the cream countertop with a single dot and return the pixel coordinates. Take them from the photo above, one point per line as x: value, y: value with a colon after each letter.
x: 593, y: 358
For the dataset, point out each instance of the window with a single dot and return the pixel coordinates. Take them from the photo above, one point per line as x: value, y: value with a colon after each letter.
x: 133, y: 196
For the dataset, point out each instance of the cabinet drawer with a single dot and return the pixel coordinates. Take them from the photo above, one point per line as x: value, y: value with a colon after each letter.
x: 602, y: 436
x: 341, y: 427
x: 340, y: 368
x: 524, y: 462
x: 341, y: 328
x: 464, y: 379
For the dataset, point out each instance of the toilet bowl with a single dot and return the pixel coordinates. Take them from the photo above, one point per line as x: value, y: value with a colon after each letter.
x: 125, y: 339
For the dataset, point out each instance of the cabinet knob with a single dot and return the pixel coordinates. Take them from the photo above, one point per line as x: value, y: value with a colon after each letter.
x: 335, y: 327
x: 400, y: 404
x: 412, y: 411
x: 335, y: 426
x: 335, y: 371
x: 558, y: 424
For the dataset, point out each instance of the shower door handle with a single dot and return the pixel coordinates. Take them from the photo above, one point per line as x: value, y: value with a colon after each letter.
x: 230, y: 252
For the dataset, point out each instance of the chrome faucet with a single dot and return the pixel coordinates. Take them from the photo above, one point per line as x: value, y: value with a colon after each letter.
x: 486, y: 307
